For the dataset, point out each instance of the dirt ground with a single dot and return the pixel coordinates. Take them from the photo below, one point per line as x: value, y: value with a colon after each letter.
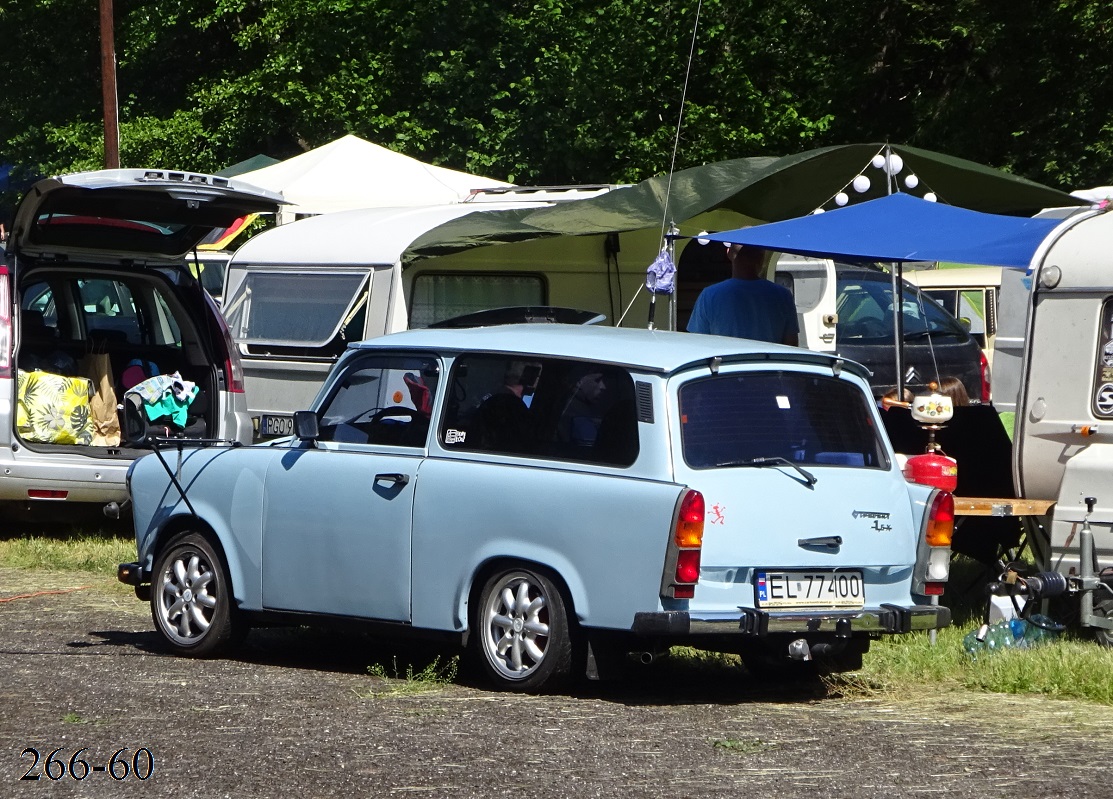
x: 296, y: 713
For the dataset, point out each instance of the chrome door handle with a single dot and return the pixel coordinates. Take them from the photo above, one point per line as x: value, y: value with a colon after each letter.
x: 392, y: 477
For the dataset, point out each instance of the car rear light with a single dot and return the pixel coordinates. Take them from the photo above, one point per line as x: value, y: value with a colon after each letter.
x: 933, y: 556
x: 233, y: 366
x: 984, y: 365
x: 683, y: 561
x: 5, y: 324
x: 46, y: 493
x: 941, y: 520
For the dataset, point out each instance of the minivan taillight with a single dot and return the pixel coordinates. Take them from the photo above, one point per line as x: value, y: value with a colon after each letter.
x: 933, y: 556
x: 682, y: 561
x: 233, y: 366
x: 986, y: 380
x: 5, y: 324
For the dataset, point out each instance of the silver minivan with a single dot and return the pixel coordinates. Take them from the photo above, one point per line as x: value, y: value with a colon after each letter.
x: 95, y: 297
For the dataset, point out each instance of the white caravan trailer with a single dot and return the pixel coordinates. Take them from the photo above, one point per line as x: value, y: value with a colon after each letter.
x: 297, y: 294
x: 1061, y: 365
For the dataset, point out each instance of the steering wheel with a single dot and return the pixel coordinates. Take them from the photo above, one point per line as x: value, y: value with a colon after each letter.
x: 868, y: 328
x: 398, y: 410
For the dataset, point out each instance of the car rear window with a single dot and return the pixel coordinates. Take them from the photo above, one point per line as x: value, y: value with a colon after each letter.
x: 865, y: 311
x: 807, y: 419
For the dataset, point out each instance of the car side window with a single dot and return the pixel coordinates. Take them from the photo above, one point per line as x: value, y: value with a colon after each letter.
x: 541, y: 407
x: 381, y: 399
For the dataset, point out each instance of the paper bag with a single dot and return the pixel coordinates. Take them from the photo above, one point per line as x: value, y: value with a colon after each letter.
x: 102, y: 404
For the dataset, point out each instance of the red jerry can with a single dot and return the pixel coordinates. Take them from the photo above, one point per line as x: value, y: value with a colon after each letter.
x: 932, y: 469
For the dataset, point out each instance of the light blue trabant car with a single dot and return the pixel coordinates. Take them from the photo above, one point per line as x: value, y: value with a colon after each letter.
x: 555, y: 497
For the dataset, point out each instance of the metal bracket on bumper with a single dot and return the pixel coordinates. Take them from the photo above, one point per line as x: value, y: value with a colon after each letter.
x: 132, y: 574
x: 892, y: 619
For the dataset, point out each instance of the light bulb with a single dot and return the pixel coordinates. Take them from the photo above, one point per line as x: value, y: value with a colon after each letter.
x: 930, y: 197
x: 861, y: 184
x: 895, y: 164
x: 878, y: 161
x: 842, y: 198
x: 911, y: 181
x: 700, y: 237
x: 819, y: 211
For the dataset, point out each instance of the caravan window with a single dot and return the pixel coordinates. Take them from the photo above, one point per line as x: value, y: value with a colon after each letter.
x: 274, y: 313
x: 440, y: 297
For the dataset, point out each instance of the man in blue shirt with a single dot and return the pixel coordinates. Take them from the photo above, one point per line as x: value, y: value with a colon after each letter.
x: 746, y: 305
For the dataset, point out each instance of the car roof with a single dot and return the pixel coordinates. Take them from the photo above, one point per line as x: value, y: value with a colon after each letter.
x: 649, y: 350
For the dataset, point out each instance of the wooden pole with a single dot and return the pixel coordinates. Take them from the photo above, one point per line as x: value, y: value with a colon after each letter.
x: 108, y: 87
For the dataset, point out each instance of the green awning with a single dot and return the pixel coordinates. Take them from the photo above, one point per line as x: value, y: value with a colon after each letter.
x: 765, y: 188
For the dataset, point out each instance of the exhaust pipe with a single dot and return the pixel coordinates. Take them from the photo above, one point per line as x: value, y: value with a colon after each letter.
x: 645, y: 658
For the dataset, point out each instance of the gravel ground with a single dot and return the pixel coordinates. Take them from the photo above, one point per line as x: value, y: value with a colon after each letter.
x: 298, y: 714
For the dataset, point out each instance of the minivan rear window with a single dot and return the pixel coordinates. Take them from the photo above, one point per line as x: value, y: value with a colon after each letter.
x: 807, y: 419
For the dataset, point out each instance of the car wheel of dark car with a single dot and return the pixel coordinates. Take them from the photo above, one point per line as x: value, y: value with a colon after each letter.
x: 191, y: 598
x: 521, y: 634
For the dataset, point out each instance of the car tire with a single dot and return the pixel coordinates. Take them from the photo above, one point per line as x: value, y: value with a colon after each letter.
x: 191, y: 598
x: 520, y: 635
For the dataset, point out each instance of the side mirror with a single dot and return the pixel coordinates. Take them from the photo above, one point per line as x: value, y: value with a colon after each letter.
x: 965, y: 322
x: 305, y: 425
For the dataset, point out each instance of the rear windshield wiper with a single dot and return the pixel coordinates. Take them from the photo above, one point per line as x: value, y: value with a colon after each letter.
x: 929, y: 334
x: 773, y: 460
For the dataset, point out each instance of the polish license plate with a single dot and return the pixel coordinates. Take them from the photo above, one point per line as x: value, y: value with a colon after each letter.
x: 819, y: 589
x: 273, y: 425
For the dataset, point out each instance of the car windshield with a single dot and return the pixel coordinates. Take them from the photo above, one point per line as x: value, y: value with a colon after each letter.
x: 865, y: 309
x: 754, y: 418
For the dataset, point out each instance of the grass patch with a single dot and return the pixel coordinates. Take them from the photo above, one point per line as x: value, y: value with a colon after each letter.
x: 78, y: 552
x: 433, y: 677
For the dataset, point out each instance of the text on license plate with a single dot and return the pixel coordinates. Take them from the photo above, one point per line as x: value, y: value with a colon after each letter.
x: 274, y: 425
x: 842, y: 589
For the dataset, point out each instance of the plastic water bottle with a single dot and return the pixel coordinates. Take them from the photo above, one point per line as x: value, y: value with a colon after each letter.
x: 1020, y: 630
x: 971, y: 643
x: 1041, y: 630
x: 999, y: 636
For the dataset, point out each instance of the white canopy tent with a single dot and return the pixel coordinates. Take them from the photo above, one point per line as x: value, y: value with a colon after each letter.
x: 351, y: 173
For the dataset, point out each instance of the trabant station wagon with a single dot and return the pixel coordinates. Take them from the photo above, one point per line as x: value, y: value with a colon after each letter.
x: 554, y: 498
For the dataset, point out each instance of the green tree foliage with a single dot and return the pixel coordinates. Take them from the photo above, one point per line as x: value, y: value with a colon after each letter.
x: 556, y: 91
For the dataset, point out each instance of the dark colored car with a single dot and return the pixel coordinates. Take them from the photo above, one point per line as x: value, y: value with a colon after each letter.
x: 936, y: 345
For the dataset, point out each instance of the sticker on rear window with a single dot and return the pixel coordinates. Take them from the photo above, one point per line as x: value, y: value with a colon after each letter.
x: 783, y: 403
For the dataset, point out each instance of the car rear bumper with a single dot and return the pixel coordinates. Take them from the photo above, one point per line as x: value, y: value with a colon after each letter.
x: 890, y: 619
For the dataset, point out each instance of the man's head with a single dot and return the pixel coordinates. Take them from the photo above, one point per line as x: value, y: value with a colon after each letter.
x: 746, y: 262
x: 590, y: 386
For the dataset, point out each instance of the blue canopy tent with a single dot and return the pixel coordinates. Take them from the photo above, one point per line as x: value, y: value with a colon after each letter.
x: 898, y: 228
